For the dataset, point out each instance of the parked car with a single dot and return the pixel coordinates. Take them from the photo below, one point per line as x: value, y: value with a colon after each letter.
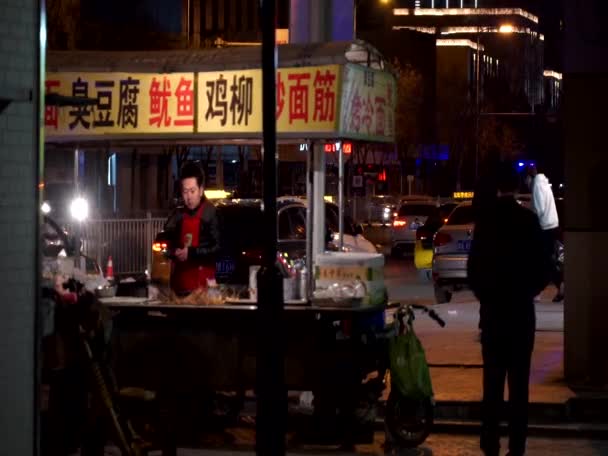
x: 423, y: 252
x: 451, y: 246
x: 410, y: 216
x: 59, y: 254
x: 382, y: 209
x: 414, y: 198
x: 241, y: 237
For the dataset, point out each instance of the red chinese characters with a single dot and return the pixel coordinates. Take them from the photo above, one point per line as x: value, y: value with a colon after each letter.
x: 355, y: 112
x: 368, y: 114
x: 389, y: 125
x: 185, y: 103
x: 380, y: 115
x: 159, y: 102
x: 298, y: 97
x: 51, y: 118
x: 280, y: 94
x: 325, y: 96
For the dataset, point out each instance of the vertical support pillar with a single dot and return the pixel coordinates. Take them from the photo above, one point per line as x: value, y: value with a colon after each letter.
x: 586, y: 227
x: 340, y: 198
x: 318, y: 213
x: 309, y: 225
x: 270, y: 370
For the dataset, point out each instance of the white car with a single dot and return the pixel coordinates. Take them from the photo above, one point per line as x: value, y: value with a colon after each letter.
x: 412, y: 214
x: 451, y: 246
x: 353, y: 239
x: 381, y: 209
x: 291, y: 213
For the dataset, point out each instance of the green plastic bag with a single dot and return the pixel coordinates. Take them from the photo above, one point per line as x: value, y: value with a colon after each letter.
x: 410, y: 375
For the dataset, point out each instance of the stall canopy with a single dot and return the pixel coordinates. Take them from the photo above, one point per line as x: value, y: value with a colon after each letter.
x: 338, y: 90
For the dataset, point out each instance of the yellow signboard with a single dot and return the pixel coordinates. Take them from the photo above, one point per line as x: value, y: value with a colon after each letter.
x: 124, y: 103
x: 230, y: 101
x: 307, y: 100
x: 368, y: 103
x: 342, y: 101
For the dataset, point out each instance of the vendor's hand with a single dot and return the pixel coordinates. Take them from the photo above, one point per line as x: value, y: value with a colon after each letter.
x: 181, y: 254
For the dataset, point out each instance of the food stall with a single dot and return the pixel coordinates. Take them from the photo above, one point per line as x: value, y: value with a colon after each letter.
x: 325, y: 93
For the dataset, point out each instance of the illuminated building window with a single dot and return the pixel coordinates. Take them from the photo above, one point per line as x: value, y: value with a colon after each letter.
x: 466, y: 12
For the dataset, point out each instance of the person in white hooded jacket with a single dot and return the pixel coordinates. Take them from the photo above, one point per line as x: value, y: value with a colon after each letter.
x: 543, y: 203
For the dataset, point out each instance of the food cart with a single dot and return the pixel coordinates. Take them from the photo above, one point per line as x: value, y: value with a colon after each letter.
x: 325, y: 93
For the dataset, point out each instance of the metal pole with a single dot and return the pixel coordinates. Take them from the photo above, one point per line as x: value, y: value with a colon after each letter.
x: 477, y: 91
x: 309, y: 214
x: 271, y: 394
x: 76, y: 169
x: 148, y: 243
x: 340, y: 198
x: 78, y: 224
x: 355, y: 19
x: 319, y: 243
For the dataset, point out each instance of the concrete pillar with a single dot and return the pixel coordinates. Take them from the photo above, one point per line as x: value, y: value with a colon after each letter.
x: 299, y: 21
x: 586, y: 165
x: 19, y: 219
x: 343, y: 20
x: 195, y: 40
x: 316, y: 21
x: 185, y: 23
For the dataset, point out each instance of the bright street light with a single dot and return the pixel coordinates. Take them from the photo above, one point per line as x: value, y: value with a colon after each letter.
x: 79, y: 209
x: 506, y: 28
x: 45, y: 208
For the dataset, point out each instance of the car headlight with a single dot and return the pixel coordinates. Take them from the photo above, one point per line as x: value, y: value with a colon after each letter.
x: 79, y: 209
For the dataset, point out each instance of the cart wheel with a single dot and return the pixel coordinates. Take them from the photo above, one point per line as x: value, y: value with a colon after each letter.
x: 408, y: 421
x: 442, y: 295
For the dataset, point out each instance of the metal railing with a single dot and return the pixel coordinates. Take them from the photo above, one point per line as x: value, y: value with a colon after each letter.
x: 127, y: 241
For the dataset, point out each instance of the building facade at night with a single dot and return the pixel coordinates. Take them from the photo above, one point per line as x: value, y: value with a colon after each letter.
x: 507, y: 41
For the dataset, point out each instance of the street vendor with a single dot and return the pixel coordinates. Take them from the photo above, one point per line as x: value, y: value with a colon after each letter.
x: 193, y: 235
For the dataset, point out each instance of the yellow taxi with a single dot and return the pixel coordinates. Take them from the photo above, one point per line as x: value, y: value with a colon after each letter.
x: 423, y: 249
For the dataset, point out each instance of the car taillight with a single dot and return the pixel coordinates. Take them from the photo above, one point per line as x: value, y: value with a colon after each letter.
x: 398, y: 223
x: 159, y: 246
x: 441, y: 239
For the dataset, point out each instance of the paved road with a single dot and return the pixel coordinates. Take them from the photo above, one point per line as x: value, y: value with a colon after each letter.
x: 403, y: 282
x: 436, y: 445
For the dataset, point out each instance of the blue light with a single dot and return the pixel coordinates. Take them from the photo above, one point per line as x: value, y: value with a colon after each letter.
x: 520, y: 164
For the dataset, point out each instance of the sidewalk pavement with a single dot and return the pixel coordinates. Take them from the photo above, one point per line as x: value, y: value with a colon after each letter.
x: 454, y: 357
x: 435, y: 445
x: 454, y: 352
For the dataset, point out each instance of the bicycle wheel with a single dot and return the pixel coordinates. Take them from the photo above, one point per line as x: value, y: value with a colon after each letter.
x: 408, y: 421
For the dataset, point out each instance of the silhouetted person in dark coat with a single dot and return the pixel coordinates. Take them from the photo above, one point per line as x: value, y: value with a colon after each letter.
x: 507, y: 268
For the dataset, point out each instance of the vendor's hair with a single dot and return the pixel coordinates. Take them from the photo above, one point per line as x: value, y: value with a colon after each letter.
x: 192, y: 169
